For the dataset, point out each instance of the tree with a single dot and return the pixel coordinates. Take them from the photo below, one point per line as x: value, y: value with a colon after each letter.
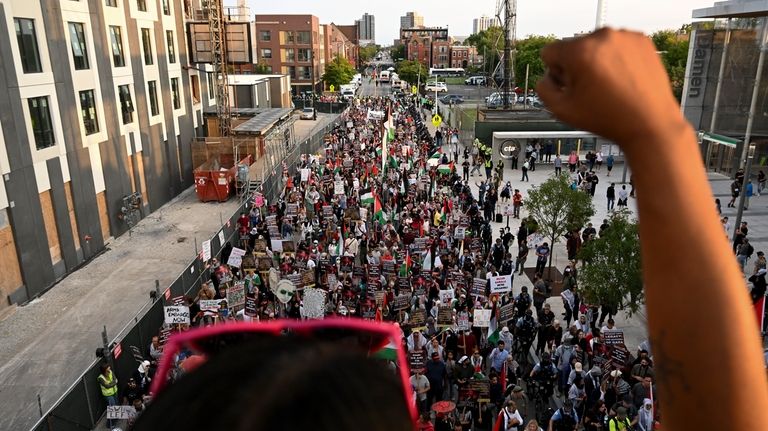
x: 528, y: 52
x: 558, y: 209
x: 368, y: 52
x: 398, y: 52
x: 409, y: 71
x: 262, y: 69
x: 673, y: 48
x: 612, y: 274
x: 338, y: 72
x: 489, y: 44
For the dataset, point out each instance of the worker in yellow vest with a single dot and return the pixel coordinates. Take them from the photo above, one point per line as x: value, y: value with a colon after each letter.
x: 108, y: 384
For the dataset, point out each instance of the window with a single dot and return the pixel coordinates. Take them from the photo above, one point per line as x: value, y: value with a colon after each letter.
x: 305, y: 54
x: 304, y: 72
x: 265, y: 35
x: 290, y: 55
x: 146, y: 40
x: 171, y: 47
x: 287, y: 37
x: 290, y: 71
x: 211, y: 86
x: 153, y: 107
x: 141, y: 5
x: 166, y: 7
x: 27, y: 39
x: 266, y: 53
x: 116, y: 36
x: 126, y: 104
x: 194, y: 82
x: 88, y: 110
x: 111, y: 3
x: 303, y: 37
x: 175, y: 93
x: 77, y: 42
x: 41, y: 122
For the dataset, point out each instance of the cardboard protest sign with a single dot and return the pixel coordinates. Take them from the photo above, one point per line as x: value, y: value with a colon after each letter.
x: 314, y: 303
x: 222, y: 240
x: 379, y: 297
x: 506, y: 313
x: 206, y: 250
x: 305, y: 175
x: 289, y: 246
x: 614, y: 337
x: 338, y: 187
x: 418, y: 319
x: 121, y: 412
x: 291, y: 209
x: 460, y: 233
x: 388, y: 267
x: 501, y: 284
x: 327, y: 211
x: 445, y: 316
x: 236, y: 295
x: 482, y: 318
x: 401, y: 302
x: 404, y: 284
x: 462, y: 321
x: 308, y: 278
x: 236, y: 257
x: 483, y: 389
x: 619, y: 357
x: 417, y: 359
x: 176, y: 314
x: 277, y: 245
x: 264, y: 263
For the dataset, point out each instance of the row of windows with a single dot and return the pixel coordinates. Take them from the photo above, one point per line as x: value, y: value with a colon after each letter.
x: 40, y: 113
x: 141, y: 5
x: 26, y: 37
x: 298, y: 37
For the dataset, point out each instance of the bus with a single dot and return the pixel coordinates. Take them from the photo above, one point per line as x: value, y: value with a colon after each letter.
x: 446, y: 72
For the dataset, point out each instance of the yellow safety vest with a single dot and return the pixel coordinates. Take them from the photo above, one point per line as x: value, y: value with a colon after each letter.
x: 103, y: 381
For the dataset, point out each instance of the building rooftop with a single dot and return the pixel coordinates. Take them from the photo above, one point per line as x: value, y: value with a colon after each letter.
x: 733, y: 9
x: 262, y: 119
x: 249, y: 79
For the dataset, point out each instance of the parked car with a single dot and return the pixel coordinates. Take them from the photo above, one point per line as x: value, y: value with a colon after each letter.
x: 307, y: 114
x: 496, y: 101
x: 475, y: 80
x: 440, y: 87
x: 452, y: 98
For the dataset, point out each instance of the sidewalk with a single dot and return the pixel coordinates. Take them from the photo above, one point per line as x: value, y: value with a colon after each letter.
x: 49, y: 342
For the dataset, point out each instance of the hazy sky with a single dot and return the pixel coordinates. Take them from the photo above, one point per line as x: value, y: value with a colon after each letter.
x: 558, y: 17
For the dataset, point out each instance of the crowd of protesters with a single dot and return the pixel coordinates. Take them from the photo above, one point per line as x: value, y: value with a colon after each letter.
x: 385, y: 226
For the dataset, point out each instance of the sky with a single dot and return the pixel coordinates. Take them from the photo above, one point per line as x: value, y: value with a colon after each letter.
x: 559, y: 17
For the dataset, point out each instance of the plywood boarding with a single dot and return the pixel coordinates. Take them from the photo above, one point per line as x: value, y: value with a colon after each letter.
x: 49, y: 220
x: 71, y: 210
x: 101, y: 201
x: 142, y: 181
x: 9, y: 265
x: 129, y: 167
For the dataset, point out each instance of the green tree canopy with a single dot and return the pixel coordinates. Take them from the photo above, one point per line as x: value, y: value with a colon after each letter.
x: 528, y: 52
x: 488, y: 43
x: 398, y: 52
x: 558, y: 209
x: 673, y: 48
x: 262, y: 68
x: 338, y: 72
x: 612, y: 274
x: 368, y: 52
x: 409, y: 71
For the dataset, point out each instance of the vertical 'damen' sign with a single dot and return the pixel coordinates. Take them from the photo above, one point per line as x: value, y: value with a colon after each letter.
x: 176, y: 314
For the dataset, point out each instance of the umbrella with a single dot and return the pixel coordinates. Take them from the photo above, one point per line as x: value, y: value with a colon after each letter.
x: 443, y: 407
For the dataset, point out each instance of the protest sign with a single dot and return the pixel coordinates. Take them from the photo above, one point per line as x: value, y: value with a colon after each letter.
x: 460, y: 233
x: 251, y: 307
x: 379, y: 297
x: 462, y: 321
x: 478, y: 287
x: 327, y: 211
x: 206, y: 250
x: 176, y: 314
x: 404, y: 284
x: 121, y: 412
x: 506, y: 313
x: 260, y: 245
x: 482, y: 318
x: 446, y: 296
x: 418, y: 319
x: 501, y: 284
x: 264, y: 263
x: 619, y: 357
x: 482, y: 387
x: 277, y: 245
x: 445, y: 316
x: 338, y: 187
x: 289, y: 246
x: 347, y: 262
x: 417, y: 359
x: 236, y: 257
x: 308, y: 278
x: 614, y: 337
x: 314, y: 303
x: 210, y: 305
x: 236, y: 295
x: 305, y: 175
x: 401, y: 302
x: 291, y: 209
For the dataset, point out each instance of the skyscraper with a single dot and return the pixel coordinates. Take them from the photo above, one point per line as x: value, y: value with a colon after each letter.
x: 482, y: 23
x: 366, y: 29
x: 411, y: 20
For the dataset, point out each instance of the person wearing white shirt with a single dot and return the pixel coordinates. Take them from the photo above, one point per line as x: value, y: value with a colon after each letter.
x: 416, y: 341
x: 511, y: 417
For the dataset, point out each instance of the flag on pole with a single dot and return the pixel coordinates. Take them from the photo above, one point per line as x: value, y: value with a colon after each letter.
x: 493, y: 326
x: 445, y: 169
x: 378, y: 212
x: 406, y: 266
x: 366, y: 197
x: 427, y: 263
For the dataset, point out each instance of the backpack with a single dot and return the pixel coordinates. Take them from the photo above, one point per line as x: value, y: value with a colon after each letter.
x: 565, y: 423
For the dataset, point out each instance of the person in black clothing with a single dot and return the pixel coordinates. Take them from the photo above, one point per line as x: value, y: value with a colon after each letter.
x: 594, y: 180
x: 604, y: 226
x: 522, y: 233
x: 588, y: 233
x: 506, y: 237
x: 758, y: 285
x: 610, y: 193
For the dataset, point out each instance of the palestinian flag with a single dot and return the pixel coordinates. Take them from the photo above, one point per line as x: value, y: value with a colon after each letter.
x: 388, y: 352
x: 378, y: 211
x: 427, y: 264
x: 405, y: 268
x: 390, y: 133
x: 445, y: 169
x: 366, y: 196
x: 493, y: 327
x: 437, y: 155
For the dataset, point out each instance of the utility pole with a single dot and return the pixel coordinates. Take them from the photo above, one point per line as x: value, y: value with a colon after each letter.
x: 510, y: 11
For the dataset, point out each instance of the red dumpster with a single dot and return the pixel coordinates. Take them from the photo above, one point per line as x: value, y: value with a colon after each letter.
x: 214, y: 179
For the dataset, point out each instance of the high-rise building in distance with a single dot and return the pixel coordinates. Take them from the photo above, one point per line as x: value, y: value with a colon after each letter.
x: 482, y: 23
x: 366, y: 29
x: 411, y: 20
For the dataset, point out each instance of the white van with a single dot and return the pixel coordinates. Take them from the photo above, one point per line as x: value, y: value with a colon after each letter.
x: 396, y: 82
x: 384, y: 76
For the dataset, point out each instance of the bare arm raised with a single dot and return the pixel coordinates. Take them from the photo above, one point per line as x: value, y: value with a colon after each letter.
x: 702, y: 329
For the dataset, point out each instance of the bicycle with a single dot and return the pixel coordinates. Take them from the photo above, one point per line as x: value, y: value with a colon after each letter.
x: 520, y: 350
x: 538, y: 394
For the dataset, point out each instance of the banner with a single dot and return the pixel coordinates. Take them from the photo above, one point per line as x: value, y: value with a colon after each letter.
x: 206, y: 250
x: 236, y: 257
x: 482, y: 318
x: 236, y: 295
